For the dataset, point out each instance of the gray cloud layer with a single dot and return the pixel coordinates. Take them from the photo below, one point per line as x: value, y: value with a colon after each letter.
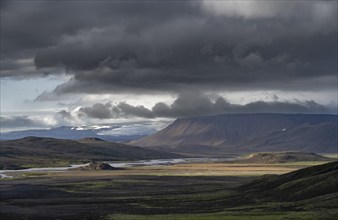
x: 185, y: 105
x: 190, y: 104
x: 21, y: 122
x: 148, y: 46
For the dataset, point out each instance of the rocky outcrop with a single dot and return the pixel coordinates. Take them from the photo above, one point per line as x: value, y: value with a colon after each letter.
x: 98, y: 166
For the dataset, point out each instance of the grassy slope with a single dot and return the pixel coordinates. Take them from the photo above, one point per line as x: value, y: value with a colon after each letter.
x: 173, y: 197
x: 232, y: 216
x: 42, y: 152
x: 298, y: 185
x: 309, y: 193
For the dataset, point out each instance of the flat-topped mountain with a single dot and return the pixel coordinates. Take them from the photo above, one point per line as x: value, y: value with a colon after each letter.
x: 243, y: 133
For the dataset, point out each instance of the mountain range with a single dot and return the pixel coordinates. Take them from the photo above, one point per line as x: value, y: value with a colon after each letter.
x: 75, y: 133
x: 246, y: 133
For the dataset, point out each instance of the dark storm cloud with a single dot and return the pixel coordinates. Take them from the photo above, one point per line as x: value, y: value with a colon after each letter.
x: 194, y: 103
x: 122, y: 110
x: 98, y: 110
x: 30, y: 25
x: 129, y: 110
x: 190, y: 104
x: 186, y: 104
x: 149, y: 46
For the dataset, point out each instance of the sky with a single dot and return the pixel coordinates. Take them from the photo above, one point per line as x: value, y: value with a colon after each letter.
x: 90, y: 62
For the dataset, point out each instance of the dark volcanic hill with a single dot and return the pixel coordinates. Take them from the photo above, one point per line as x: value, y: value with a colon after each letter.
x: 41, y: 152
x: 242, y: 133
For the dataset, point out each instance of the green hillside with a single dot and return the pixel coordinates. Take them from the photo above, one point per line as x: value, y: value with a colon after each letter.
x: 317, y: 184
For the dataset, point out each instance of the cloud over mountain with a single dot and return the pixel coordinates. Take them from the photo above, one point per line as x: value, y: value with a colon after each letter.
x: 192, y: 104
x: 135, y: 60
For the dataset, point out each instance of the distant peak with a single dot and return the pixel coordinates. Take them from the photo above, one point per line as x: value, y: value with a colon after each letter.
x: 33, y: 138
x: 92, y: 139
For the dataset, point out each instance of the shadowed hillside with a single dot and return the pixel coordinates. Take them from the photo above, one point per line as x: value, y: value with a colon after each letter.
x: 319, y: 182
x: 242, y: 133
x: 37, y: 152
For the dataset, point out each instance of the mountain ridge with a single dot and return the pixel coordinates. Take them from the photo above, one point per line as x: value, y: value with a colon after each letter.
x: 245, y: 133
x: 31, y: 152
x: 70, y: 133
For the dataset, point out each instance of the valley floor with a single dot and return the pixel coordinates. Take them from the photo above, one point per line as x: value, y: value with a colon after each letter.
x: 181, y: 191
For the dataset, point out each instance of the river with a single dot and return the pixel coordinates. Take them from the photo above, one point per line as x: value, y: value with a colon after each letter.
x: 154, y: 162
